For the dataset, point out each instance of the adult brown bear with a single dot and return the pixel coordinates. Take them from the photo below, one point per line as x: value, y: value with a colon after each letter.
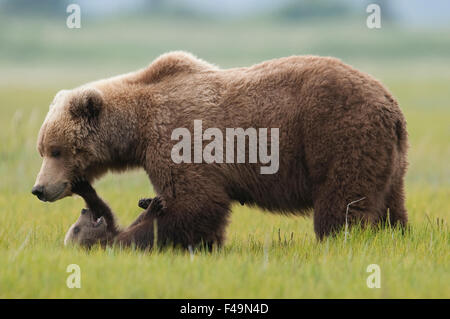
x: 342, y: 137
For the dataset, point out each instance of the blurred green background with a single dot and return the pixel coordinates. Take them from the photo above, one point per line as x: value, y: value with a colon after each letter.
x: 39, y: 55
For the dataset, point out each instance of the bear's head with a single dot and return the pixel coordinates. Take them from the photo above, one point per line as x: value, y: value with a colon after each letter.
x: 87, y: 231
x: 70, y: 142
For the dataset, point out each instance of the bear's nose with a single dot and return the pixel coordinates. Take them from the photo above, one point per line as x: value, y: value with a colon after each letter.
x: 38, y: 191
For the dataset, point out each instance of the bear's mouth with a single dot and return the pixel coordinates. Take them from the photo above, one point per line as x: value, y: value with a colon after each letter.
x: 55, y: 193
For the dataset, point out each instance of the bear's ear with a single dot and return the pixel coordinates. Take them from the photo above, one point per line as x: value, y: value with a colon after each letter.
x: 87, y: 104
x: 58, y: 96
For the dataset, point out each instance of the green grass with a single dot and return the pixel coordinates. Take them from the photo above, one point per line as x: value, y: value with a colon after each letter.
x: 265, y: 256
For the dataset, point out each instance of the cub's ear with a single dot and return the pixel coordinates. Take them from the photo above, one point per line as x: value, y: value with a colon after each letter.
x: 87, y: 103
x: 100, y: 221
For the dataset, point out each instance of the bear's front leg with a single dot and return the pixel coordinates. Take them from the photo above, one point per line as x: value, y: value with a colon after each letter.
x: 97, y: 206
x: 183, y: 223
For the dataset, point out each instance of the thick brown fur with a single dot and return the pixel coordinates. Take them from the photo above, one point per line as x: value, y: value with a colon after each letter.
x: 342, y: 138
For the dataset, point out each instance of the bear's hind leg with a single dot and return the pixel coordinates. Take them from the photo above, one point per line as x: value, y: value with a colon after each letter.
x: 363, y: 196
x: 330, y: 210
x: 395, y: 204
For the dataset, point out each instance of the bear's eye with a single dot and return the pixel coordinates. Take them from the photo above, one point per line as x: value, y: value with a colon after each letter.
x: 56, y: 153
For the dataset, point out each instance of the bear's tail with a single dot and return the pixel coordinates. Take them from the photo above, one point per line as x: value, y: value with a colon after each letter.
x: 402, y: 135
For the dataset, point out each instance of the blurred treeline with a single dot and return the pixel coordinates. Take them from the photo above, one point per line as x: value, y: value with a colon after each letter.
x: 122, y: 35
x: 287, y: 10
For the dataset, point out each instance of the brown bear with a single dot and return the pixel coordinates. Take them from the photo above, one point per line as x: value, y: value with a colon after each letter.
x: 342, y: 138
x: 97, y: 223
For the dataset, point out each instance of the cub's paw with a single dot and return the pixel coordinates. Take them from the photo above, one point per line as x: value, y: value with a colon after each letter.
x: 144, y: 202
x: 156, y: 206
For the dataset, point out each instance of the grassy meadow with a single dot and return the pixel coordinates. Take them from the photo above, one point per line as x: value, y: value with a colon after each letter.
x: 265, y: 256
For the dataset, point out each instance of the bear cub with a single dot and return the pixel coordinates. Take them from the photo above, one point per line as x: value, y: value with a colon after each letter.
x: 97, y: 223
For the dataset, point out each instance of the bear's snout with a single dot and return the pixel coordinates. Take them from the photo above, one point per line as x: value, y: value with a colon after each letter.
x: 52, y: 192
x: 38, y: 191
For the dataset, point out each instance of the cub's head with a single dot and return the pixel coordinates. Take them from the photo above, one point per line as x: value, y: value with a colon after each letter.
x: 87, y: 230
x: 70, y: 142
